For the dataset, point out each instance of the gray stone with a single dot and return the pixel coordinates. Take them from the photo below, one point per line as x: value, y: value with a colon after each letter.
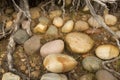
x: 20, y: 36
x: 91, y: 63
x: 52, y: 30
x: 10, y: 76
x: 32, y: 45
x: 104, y: 75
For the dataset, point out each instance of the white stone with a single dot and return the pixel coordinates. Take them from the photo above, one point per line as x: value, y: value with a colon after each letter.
x: 107, y: 51
x: 79, y: 42
x: 52, y: 47
x: 58, y: 21
x: 59, y: 63
x: 40, y: 28
x: 81, y: 25
x: 92, y: 22
x: 53, y: 76
x: 110, y: 19
x: 68, y: 26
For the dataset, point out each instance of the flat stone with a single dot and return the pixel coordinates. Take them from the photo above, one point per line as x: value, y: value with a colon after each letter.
x: 32, y: 45
x: 20, y: 36
x: 52, y: 30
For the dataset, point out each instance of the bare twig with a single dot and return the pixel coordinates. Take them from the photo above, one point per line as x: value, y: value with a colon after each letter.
x: 59, y: 1
x: 27, y: 14
x: 78, y: 4
x: 111, y: 70
x: 42, y: 7
x: 11, y: 44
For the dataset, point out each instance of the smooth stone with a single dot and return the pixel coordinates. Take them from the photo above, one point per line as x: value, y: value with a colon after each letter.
x: 10, y: 76
x: 52, y: 47
x: 107, y: 51
x: 44, y: 20
x: 81, y: 26
x: 110, y: 19
x: 20, y: 36
x: 68, y: 26
x: 40, y: 28
x: 52, y: 30
x: 79, y: 42
x: 104, y: 75
x: 32, y: 45
x: 59, y: 63
x: 92, y: 22
x: 58, y: 21
x: 53, y: 76
x: 88, y: 76
x: 34, y: 13
x: 55, y: 13
x: 92, y: 63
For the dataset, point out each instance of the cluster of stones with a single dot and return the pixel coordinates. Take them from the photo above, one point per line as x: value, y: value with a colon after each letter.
x: 75, y: 40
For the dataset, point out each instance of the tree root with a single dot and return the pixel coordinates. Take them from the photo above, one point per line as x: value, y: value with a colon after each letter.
x: 63, y: 8
x: 12, y: 43
x: 110, y: 31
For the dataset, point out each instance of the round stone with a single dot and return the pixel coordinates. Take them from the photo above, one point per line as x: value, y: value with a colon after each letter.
x: 91, y: 63
x: 110, y: 19
x: 52, y: 47
x: 81, y: 26
x: 58, y: 21
x: 104, y: 75
x: 107, y: 51
x: 59, y: 63
x: 68, y: 26
x: 79, y: 42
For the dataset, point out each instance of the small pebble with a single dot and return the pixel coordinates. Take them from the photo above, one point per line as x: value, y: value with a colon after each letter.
x: 35, y: 74
x: 81, y: 26
x: 40, y: 28
x: 55, y: 13
x: 58, y: 21
x: 44, y: 20
x: 92, y: 22
x: 110, y: 19
x: 68, y: 26
x: 34, y: 13
x: 52, y: 30
x: 8, y: 25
